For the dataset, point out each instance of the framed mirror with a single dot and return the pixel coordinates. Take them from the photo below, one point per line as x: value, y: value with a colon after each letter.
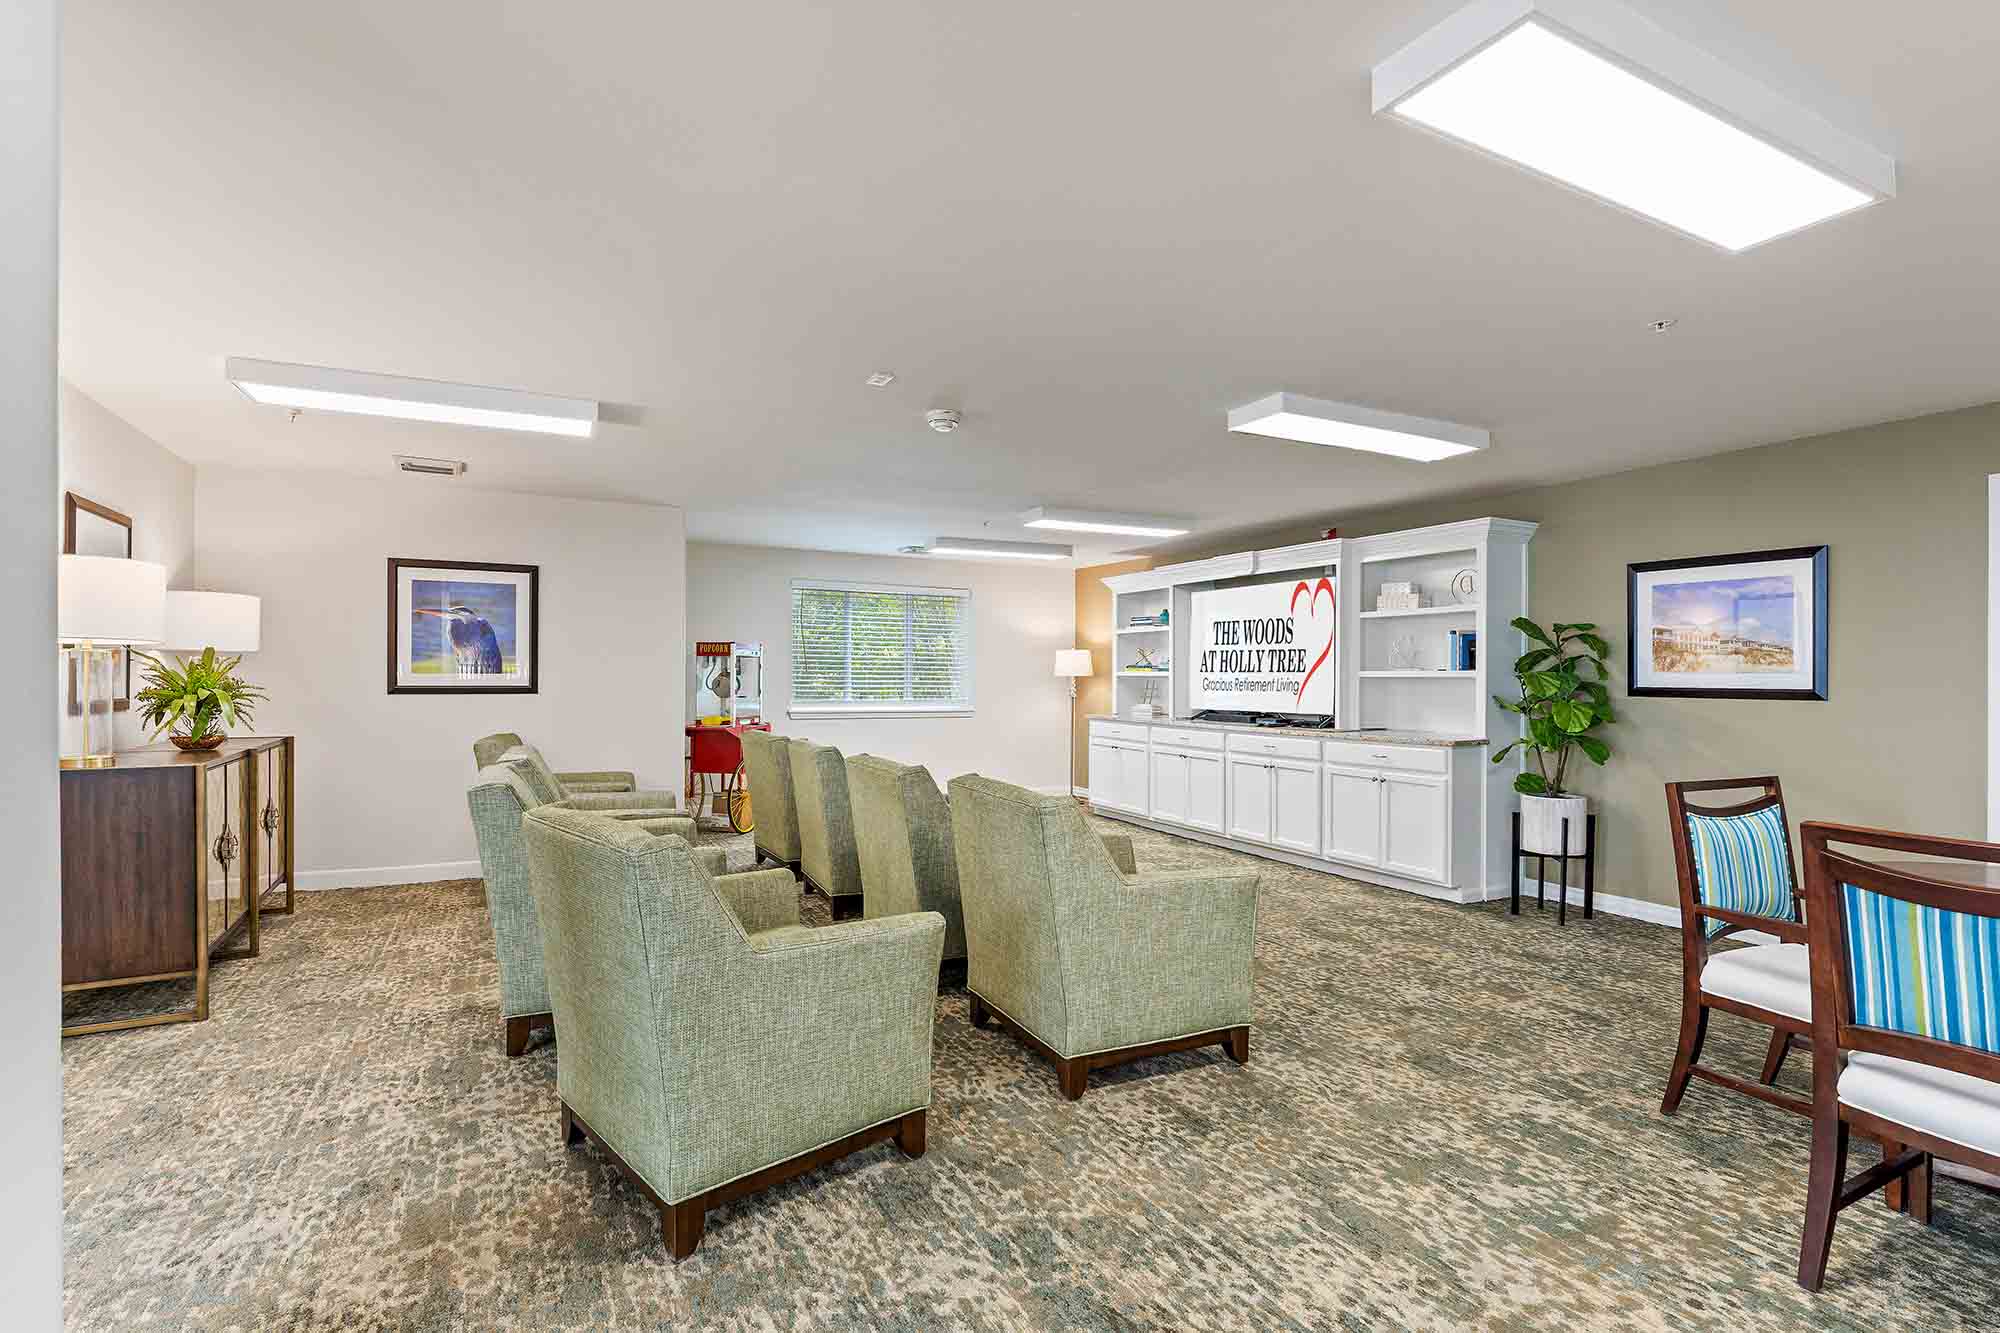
x: 90, y: 528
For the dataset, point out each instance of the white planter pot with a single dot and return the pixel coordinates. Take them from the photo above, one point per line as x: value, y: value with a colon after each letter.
x: 1542, y: 824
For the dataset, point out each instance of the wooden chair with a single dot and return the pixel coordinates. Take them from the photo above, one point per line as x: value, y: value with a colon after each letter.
x: 1906, y: 1019
x: 1736, y: 873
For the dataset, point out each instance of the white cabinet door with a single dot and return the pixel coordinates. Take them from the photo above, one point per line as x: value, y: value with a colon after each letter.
x: 1133, y: 780
x: 1249, y: 799
x: 1170, y: 786
x: 1295, y: 806
x: 1353, y: 814
x: 1104, y: 774
x: 1416, y: 826
x: 1205, y: 791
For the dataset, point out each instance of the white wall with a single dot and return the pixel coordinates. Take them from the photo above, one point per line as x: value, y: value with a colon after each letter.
x: 110, y: 461
x: 30, y: 908
x: 1021, y: 615
x: 381, y: 777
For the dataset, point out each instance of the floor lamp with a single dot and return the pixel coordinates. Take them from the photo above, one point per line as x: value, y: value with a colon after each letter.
x: 1072, y: 663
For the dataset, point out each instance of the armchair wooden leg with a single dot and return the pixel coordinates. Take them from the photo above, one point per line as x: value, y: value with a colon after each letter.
x: 1829, y: 1170
x: 572, y: 1133
x: 1237, y: 1043
x: 681, y: 1225
x: 981, y: 1015
x: 1694, y: 1031
x: 520, y: 1026
x: 910, y: 1134
x: 1072, y: 1074
x: 1774, y: 1059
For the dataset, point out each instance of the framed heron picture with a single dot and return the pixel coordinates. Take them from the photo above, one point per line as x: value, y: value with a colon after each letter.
x: 463, y: 627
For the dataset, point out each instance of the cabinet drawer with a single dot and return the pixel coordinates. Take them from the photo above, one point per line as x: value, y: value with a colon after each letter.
x: 1187, y: 739
x: 1118, y: 731
x: 1280, y: 747
x: 1407, y: 758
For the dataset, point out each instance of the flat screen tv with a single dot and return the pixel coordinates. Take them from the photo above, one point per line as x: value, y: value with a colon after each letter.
x: 1264, y: 647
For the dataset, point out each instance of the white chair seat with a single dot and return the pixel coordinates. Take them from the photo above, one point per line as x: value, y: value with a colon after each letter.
x: 1942, y: 1102
x: 1771, y: 976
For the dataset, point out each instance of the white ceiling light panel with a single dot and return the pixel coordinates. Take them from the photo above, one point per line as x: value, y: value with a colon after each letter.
x: 1595, y: 95
x: 1095, y: 520
x: 1292, y: 416
x: 326, y: 389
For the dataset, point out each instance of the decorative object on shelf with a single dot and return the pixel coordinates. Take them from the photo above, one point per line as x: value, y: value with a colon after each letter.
x: 1745, y: 626
x: 1462, y: 650
x: 463, y: 627
x: 101, y: 601
x: 1399, y: 596
x: 1146, y: 661
x: 1072, y: 664
x: 1403, y: 653
x: 1148, y: 708
x: 1465, y: 587
x: 1148, y: 621
x: 1563, y: 699
x: 197, y: 701
x: 90, y: 528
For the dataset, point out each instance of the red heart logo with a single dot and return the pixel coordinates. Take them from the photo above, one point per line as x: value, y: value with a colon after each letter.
x: 1311, y: 592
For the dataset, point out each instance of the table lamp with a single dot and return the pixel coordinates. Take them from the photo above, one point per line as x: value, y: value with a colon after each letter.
x: 102, y: 602
x: 228, y: 622
x: 1072, y: 663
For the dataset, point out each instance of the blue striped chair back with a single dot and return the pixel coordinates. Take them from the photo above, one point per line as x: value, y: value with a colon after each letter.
x: 1923, y: 970
x: 1742, y: 863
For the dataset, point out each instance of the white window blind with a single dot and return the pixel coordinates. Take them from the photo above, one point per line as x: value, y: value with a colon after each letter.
x: 880, y: 648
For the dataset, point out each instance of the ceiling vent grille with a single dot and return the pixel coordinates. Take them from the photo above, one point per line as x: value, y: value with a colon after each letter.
x: 430, y: 467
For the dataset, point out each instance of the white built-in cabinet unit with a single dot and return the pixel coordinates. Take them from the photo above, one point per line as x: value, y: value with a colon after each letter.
x: 1400, y: 791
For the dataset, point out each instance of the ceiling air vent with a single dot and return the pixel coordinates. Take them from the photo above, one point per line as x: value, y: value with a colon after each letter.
x: 431, y: 467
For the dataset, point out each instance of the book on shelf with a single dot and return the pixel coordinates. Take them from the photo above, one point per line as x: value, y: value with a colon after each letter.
x: 1463, y: 650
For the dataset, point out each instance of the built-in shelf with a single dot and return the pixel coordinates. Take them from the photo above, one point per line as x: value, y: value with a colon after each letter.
x: 1466, y: 608
x: 1147, y: 675
x: 1412, y: 674
x: 1144, y: 629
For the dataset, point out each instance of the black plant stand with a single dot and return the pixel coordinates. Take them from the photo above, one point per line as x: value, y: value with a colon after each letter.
x: 1562, y: 871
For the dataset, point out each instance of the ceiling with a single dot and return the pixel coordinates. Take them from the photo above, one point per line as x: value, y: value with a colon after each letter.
x: 1092, y: 228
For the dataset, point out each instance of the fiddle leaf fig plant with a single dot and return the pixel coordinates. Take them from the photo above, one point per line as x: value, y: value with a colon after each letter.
x: 1564, y: 699
x: 200, y: 697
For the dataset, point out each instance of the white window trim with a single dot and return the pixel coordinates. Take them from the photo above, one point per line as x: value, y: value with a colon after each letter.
x: 835, y: 709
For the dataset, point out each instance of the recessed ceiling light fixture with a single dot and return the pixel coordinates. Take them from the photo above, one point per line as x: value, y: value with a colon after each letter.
x: 1597, y: 96
x: 1291, y: 416
x: 983, y: 546
x: 881, y: 379
x: 1092, y: 520
x: 325, y: 389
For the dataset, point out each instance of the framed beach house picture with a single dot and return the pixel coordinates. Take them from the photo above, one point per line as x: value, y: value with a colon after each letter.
x: 463, y: 627
x: 1745, y: 626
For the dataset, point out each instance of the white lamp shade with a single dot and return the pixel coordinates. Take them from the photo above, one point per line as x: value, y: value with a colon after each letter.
x: 1072, y: 661
x: 105, y: 599
x: 225, y: 621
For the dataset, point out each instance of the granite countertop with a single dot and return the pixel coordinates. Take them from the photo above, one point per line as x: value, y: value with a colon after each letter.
x: 1441, y: 739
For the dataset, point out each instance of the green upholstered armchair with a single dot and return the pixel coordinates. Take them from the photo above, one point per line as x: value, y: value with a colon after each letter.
x: 1091, y: 966
x: 682, y: 1054
x: 767, y: 759
x: 549, y: 786
x: 498, y: 797
x: 486, y: 752
x: 902, y: 838
x: 827, y: 859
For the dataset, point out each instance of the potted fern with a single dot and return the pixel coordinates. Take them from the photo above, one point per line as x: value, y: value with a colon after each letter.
x: 198, y: 701
x: 1563, y: 699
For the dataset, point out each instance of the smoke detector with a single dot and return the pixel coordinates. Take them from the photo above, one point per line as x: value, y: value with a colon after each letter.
x: 881, y: 379
x: 943, y: 420
x: 430, y: 467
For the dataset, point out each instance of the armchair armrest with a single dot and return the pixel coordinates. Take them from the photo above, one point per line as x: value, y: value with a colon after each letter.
x: 1120, y: 847
x: 613, y: 802
x: 599, y: 780
x: 712, y: 859
x: 661, y: 825
x: 761, y: 899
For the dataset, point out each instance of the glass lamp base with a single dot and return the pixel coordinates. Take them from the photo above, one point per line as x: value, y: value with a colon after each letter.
x: 85, y: 694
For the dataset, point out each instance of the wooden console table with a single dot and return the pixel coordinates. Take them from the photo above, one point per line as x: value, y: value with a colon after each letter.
x: 168, y: 862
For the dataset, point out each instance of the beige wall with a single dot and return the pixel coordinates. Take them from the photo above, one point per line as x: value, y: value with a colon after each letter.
x: 1093, y: 631
x: 1900, y: 741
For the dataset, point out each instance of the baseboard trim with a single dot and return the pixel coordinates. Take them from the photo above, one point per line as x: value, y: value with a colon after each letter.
x: 371, y: 877
x: 1611, y: 904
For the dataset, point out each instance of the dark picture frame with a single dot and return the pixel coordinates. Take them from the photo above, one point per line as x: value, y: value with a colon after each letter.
x: 400, y: 613
x: 1639, y: 629
x: 87, y: 514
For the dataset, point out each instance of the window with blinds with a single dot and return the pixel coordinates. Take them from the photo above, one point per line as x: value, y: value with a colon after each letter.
x: 859, y: 647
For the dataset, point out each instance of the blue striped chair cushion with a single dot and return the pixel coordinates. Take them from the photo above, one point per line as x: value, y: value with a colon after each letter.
x: 1742, y: 862
x: 1923, y: 970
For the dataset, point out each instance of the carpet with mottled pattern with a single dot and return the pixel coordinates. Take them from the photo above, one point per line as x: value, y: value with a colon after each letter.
x: 1450, y: 1120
